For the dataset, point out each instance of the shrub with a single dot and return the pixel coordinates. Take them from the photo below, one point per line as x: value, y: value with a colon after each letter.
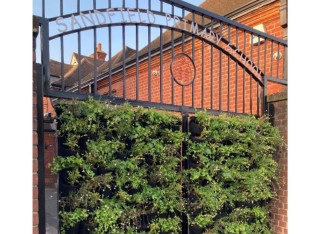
x: 123, y: 164
x: 120, y: 170
x: 234, y: 175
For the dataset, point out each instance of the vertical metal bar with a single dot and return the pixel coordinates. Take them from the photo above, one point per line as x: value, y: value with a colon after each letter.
x: 211, y: 70
x: 124, y: 51
x: 184, y: 164
x: 161, y: 64
x: 149, y: 64
x: 95, y: 60
x: 41, y: 162
x: 62, y: 62
x: 278, y: 60
x: 43, y: 80
x: 78, y: 6
x: 44, y: 8
x: 61, y: 7
x: 202, y: 67
x: 110, y: 56
x: 193, y: 58
x: 137, y: 61
x: 79, y: 52
x: 236, y: 95
x: 264, y: 110
x: 244, y: 74
x: 45, y: 54
x: 79, y: 62
x: 137, y: 55
x: 110, y: 62
x: 228, y: 101
x: 95, y: 55
x: 183, y: 37
x: 271, y: 70
x: 124, y: 55
x: 220, y: 72
x: 258, y: 96
x: 161, y: 56
x: 172, y: 54
x: 183, y: 52
x: 251, y: 50
x: 149, y: 58
x: 61, y: 51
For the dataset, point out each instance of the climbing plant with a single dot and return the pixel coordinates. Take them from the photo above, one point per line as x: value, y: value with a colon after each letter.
x: 121, y: 171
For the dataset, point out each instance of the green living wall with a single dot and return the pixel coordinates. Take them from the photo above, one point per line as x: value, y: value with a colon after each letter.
x: 120, y: 171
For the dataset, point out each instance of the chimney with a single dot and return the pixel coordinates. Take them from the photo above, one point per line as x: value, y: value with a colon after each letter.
x: 99, y: 47
x: 101, y: 55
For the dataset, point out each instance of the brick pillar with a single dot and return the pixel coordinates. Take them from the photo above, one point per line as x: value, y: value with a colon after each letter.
x: 278, y: 109
x: 50, y: 151
x: 35, y: 133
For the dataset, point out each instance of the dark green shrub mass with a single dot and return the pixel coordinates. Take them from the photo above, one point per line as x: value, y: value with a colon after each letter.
x: 233, y: 174
x: 120, y: 171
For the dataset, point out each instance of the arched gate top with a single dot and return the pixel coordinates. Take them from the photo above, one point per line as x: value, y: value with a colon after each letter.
x: 230, y: 59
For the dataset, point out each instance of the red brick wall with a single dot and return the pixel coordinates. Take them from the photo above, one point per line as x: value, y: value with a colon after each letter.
x: 49, y: 153
x: 278, y: 109
x: 35, y: 150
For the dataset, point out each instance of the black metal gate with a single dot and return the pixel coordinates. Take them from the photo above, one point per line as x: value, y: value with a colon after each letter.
x: 190, y: 59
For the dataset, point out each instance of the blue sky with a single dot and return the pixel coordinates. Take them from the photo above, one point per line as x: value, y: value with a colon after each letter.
x: 87, y: 43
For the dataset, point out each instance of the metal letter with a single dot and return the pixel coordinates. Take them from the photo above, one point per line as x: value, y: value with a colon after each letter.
x: 96, y: 12
x: 74, y: 21
x: 86, y: 17
x: 154, y: 18
x: 62, y: 24
x: 110, y: 14
x: 122, y: 15
x: 129, y: 15
x: 168, y: 18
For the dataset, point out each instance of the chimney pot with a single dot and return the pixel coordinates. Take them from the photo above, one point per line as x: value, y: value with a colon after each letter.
x: 99, y: 47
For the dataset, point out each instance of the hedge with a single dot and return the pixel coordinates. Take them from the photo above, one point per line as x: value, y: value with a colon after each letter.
x: 120, y: 171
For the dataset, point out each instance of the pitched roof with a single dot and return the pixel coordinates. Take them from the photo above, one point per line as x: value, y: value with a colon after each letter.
x: 221, y: 7
x: 116, y: 61
x: 55, y: 68
x: 86, y: 67
x: 90, y: 60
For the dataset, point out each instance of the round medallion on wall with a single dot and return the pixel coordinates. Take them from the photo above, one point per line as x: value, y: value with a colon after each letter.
x: 182, y: 69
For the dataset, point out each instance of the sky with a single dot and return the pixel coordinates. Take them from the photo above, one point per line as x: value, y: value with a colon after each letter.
x: 52, y: 10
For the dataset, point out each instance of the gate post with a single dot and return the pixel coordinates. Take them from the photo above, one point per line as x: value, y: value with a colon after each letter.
x: 278, y: 111
x: 39, y: 183
x: 35, y: 182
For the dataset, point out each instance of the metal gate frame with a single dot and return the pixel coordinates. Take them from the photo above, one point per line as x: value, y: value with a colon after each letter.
x: 43, y: 81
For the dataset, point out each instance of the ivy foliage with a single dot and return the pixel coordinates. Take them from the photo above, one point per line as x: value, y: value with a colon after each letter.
x: 120, y: 170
